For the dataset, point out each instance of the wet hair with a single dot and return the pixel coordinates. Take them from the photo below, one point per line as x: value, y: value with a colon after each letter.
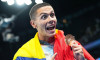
x: 34, y: 9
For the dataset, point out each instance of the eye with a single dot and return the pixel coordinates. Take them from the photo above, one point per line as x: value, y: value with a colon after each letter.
x: 52, y: 14
x: 43, y: 17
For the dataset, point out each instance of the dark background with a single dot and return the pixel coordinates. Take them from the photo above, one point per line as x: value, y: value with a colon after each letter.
x: 74, y: 17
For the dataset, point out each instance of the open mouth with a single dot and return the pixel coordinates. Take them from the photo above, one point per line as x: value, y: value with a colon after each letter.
x: 51, y: 27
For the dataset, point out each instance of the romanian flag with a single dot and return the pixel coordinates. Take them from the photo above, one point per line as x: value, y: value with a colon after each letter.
x: 32, y: 50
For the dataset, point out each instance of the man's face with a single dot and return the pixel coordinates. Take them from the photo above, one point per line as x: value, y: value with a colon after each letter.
x: 45, y: 21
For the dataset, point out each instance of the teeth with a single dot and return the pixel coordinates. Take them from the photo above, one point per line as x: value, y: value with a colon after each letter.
x: 50, y: 28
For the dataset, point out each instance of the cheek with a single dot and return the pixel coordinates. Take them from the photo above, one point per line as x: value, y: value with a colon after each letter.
x: 41, y: 26
x: 55, y: 19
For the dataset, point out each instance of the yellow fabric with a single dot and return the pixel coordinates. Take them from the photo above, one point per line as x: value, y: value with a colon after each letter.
x: 31, y: 49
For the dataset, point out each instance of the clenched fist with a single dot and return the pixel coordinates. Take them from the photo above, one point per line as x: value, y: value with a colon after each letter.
x: 77, y: 49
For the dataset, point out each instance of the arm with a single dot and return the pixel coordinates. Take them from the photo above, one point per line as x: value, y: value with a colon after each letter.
x: 77, y: 48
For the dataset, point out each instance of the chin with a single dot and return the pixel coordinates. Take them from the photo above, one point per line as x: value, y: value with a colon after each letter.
x: 51, y: 35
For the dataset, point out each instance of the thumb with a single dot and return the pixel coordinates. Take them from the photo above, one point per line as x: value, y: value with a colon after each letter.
x: 53, y: 57
x: 73, y: 42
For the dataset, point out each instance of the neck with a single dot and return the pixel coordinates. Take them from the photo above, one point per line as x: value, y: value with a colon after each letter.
x: 46, y: 38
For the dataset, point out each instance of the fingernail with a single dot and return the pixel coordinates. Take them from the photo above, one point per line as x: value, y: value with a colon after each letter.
x: 56, y: 53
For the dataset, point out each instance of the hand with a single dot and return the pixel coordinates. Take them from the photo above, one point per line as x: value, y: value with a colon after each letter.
x: 77, y: 50
x: 53, y: 57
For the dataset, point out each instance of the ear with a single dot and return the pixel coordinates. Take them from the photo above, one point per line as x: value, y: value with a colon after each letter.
x: 33, y: 23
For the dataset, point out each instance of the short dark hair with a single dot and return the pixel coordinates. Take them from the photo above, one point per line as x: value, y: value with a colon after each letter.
x: 33, y: 10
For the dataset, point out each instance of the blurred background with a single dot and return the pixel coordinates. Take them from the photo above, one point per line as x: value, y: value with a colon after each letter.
x: 79, y: 18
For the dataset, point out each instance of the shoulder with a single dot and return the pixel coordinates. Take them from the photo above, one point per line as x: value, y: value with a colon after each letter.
x: 24, y: 50
x: 59, y: 31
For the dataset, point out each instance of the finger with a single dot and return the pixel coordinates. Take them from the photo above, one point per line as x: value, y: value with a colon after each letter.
x: 73, y: 42
x: 75, y: 46
x: 53, y: 57
x: 78, y: 48
x: 79, y: 51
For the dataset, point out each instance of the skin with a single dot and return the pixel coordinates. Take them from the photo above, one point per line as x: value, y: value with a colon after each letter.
x: 41, y: 25
x: 77, y: 49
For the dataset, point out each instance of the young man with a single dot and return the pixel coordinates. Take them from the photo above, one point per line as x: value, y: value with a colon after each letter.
x: 48, y: 43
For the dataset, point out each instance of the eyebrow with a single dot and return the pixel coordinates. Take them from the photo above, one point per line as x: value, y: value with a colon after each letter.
x: 46, y: 13
x: 43, y: 13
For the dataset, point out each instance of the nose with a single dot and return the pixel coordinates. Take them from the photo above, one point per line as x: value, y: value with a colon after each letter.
x: 52, y: 22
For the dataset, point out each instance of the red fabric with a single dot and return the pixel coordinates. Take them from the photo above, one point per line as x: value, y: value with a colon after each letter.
x: 86, y: 54
x: 64, y: 51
